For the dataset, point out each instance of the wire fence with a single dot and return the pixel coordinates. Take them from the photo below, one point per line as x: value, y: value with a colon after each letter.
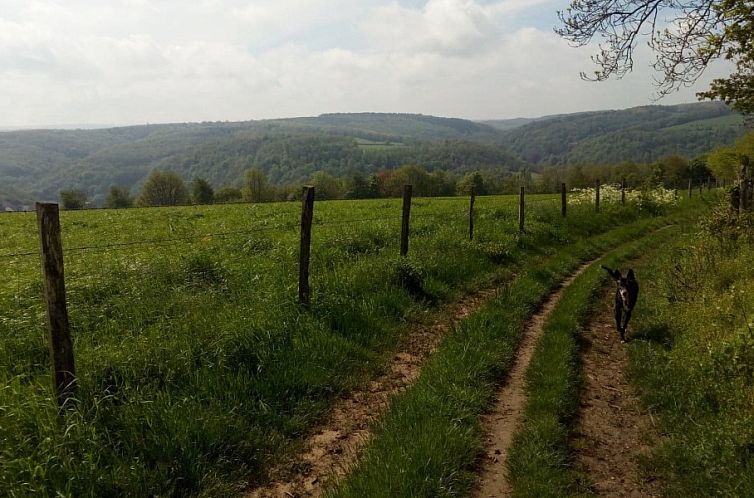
x: 502, y: 215
x: 537, y: 200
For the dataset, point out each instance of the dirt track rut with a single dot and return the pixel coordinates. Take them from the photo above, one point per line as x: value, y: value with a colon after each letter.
x: 508, y: 412
x: 614, y: 430
x: 334, y: 447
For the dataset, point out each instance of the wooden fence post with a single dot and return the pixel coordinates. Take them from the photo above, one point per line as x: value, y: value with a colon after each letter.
x: 709, y: 184
x: 307, y: 216
x: 563, y: 200
x: 597, y: 195
x: 471, y: 213
x: 407, y: 189
x: 521, y: 207
x: 622, y: 191
x: 61, y: 345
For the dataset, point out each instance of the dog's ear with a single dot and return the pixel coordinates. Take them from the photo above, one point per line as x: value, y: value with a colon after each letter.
x: 613, y: 273
x: 631, y: 275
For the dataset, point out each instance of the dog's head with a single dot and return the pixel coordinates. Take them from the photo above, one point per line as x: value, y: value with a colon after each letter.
x: 623, y: 284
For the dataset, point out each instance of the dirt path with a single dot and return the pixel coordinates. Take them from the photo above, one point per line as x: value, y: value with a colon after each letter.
x: 614, y: 429
x: 331, y: 450
x: 508, y: 413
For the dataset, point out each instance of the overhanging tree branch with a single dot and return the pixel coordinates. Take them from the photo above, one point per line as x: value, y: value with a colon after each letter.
x: 685, y: 35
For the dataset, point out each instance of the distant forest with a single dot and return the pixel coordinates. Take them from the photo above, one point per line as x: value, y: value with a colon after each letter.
x: 39, y: 164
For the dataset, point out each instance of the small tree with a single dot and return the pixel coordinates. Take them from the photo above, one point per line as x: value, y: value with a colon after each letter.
x: 472, y: 180
x: 119, y: 197
x: 256, y: 187
x: 229, y: 194
x: 163, y: 188
x: 73, y: 198
x: 202, y: 192
x: 325, y: 185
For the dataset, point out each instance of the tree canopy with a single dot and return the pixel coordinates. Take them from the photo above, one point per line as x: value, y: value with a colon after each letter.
x: 73, y: 198
x: 163, y: 188
x: 119, y: 197
x: 202, y: 192
x: 685, y: 35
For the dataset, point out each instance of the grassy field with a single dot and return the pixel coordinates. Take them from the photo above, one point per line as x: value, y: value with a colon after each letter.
x: 197, y: 369
x: 694, y: 364
x: 540, y: 460
x: 429, y: 441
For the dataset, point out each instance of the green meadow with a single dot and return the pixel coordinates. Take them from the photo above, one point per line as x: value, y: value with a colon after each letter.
x: 197, y: 369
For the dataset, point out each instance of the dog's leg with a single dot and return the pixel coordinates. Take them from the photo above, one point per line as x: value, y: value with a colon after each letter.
x: 625, y: 321
x: 618, y: 312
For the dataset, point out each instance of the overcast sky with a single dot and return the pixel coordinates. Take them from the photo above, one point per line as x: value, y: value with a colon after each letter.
x: 138, y: 61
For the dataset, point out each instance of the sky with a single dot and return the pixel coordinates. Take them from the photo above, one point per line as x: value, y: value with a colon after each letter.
x: 117, y: 62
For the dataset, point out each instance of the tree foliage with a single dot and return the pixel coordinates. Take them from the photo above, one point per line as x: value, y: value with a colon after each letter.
x: 119, y: 197
x: 473, y: 180
x: 73, y: 198
x: 163, y: 188
x: 256, y: 186
x: 685, y: 35
x: 202, y: 192
x: 725, y: 162
x: 229, y: 194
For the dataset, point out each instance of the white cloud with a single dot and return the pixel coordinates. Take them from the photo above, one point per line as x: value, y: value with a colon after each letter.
x: 133, y: 61
x: 451, y: 27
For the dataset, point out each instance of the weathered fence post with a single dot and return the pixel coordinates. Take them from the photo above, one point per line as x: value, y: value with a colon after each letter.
x: 521, y: 207
x: 691, y: 185
x: 307, y: 216
x: 563, y: 200
x: 701, y: 185
x: 622, y: 191
x: 471, y: 213
x: 61, y: 345
x: 597, y: 195
x: 407, y: 189
x: 709, y: 183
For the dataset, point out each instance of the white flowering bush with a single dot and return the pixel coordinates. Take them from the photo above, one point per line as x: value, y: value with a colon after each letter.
x: 648, y: 199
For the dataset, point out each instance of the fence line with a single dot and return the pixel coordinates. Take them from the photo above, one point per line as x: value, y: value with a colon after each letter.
x: 290, y: 226
x: 52, y: 258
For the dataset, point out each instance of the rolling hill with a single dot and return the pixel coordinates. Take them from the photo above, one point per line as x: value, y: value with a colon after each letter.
x: 37, y: 164
x: 639, y: 134
x: 41, y: 162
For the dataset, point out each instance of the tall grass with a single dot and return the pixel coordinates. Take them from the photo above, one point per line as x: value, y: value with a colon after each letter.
x: 197, y: 369
x: 428, y: 442
x: 694, y: 363
x: 539, y: 460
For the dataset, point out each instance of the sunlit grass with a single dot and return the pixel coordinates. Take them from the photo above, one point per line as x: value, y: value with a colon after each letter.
x: 197, y: 368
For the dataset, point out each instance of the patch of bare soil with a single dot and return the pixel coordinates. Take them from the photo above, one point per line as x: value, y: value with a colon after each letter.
x: 508, y: 413
x: 334, y: 447
x: 614, y: 429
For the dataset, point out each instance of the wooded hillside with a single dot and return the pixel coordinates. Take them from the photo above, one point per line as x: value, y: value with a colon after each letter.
x: 38, y: 164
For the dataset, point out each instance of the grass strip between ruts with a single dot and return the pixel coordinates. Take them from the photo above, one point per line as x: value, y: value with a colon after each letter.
x: 430, y: 438
x: 539, y: 458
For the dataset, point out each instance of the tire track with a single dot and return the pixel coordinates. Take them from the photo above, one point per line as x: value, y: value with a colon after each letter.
x: 508, y: 412
x: 613, y: 430
x: 331, y: 450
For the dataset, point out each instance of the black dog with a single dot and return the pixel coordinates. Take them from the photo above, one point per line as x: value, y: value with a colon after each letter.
x: 625, y: 298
